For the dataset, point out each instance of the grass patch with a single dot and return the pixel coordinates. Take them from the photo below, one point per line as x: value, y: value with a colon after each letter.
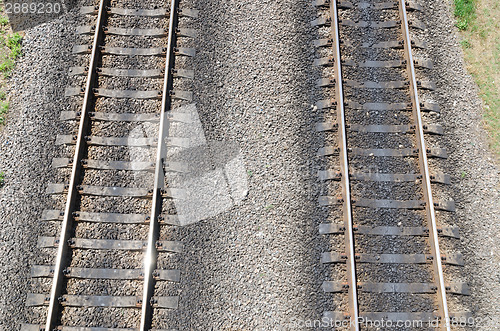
x: 465, y: 12
x: 13, y: 44
x: 479, y: 21
x: 10, y: 50
x: 465, y: 44
x: 4, y: 109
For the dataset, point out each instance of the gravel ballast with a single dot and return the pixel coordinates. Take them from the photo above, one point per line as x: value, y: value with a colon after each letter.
x: 254, y: 266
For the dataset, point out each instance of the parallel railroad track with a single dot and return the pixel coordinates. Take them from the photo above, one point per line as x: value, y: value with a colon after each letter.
x: 386, y: 193
x: 105, y: 275
x: 383, y: 173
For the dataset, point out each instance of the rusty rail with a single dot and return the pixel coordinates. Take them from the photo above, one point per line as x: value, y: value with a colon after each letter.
x: 67, y: 223
x: 424, y: 170
x: 159, y: 179
x: 344, y: 168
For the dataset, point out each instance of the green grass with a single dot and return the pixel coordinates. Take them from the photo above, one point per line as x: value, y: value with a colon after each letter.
x: 4, y: 108
x: 465, y: 44
x: 479, y: 21
x: 465, y: 12
x: 490, y: 95
x: 13, y: 43
x: 6, y: 66
x: 2, y: 178
x: 10, y: 50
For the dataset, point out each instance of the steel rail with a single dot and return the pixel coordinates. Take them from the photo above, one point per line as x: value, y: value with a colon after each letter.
x: 67, y: 223
x: 344, y: 168
x: 159, y: 179
x: 426, y: 182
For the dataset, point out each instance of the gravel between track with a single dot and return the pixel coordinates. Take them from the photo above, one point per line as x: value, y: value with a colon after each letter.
x: 257, y: 265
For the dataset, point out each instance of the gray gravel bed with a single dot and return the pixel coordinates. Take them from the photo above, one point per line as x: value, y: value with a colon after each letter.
x: 383, y: 190
x: 107, y: 231
x: 393, y: 273
x: 146, y: 62
x: 391, y: 217
x: 115, y: 204
x: 94, y: 316
x: 121, y: 178
x: 367, y: 117
x: 381, y: 74
x: 391, y: 302
x: 391, y: 245
x: 117, y: 153
x: 104, y: 259
x: 133, y: 41
x: 245, y: 260
x: 127, y: 83
x: 380, y: 140
x: 384, y: 164
x: 136, y: 22
x: 125, y: 129
x: 104, y: 287
x: 126, y: 105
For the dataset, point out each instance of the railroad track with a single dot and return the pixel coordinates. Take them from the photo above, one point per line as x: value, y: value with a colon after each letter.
x: 111, y: 269
x: 374, y: 130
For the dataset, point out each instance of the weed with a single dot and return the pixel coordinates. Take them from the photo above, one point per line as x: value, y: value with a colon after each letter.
x: 249, y: 173
x: 465, y: 44
x: 4, y: 108
x: 10, y: 50
x: 14, y: 43
x: 463, y: 174
x: 269, y: 207
x: 2, y: 178
x: 462, y: 25
x: 465, y: 12
x: 6, y: 65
